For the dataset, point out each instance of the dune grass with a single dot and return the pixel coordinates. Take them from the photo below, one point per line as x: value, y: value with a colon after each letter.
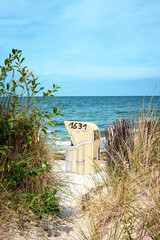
x: 128, y: 205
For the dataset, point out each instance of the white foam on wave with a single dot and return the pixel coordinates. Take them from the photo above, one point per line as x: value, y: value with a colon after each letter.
x: 61, y: 146
x: 63, y: 143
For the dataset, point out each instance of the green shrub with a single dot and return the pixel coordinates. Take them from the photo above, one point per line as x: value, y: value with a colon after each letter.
x: 25, y: 170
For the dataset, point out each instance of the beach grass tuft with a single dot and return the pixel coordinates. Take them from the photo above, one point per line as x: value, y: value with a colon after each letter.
x: 128, y: 205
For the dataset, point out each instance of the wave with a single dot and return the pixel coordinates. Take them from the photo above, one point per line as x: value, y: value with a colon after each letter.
x: 61, y: 146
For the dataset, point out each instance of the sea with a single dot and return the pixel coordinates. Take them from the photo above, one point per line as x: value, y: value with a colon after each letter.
x: 101, y: 110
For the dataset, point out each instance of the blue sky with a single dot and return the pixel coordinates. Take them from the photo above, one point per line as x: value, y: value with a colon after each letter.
x: 88, y: 47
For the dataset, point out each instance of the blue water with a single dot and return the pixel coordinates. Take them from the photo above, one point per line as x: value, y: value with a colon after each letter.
x: 99, y: 110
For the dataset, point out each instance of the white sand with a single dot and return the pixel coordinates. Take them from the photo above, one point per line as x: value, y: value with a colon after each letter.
x: 78, y: 184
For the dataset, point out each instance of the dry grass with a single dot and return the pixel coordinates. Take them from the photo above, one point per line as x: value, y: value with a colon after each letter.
x: 128, y: 207
x: 59, y: 156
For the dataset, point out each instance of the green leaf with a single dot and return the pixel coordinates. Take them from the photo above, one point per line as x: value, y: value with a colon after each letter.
x: 23, y: 163
x: 48, y: 212
x: 46, y: 116
x: 20, y: 155
x: 22, y: 60
x: 3, y: 152
x: 21, y: 79
x: 51, y: 201
x: 2, y: 85
x: 48, y: 99
x: 54, y: 109
x: 34, y: 100
x: 57, y: 198
x: 10, y: 124
x: 13, y: 51
x: 41, y: 88
x: 52, y: 124
x: 60, y: 114
x: 43, y: 165
x: 54, y: 192
x: 21, y: 115
x: 42, y: 188
x: 26, y: 121
x: 1, y: 91
x: 29, y: 139
x: 33, y: 174
x: 6, y: 61
x: 23, y: 175
x: 50, y: 116
x: 44, y: 131
x: 52, y: 96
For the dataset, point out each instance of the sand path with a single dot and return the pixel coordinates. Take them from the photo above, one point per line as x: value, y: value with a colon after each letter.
x: 74, y: 221
x: 71, y: 223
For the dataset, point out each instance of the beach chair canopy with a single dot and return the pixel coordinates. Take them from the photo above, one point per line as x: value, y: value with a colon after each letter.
x: 82, y: 131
